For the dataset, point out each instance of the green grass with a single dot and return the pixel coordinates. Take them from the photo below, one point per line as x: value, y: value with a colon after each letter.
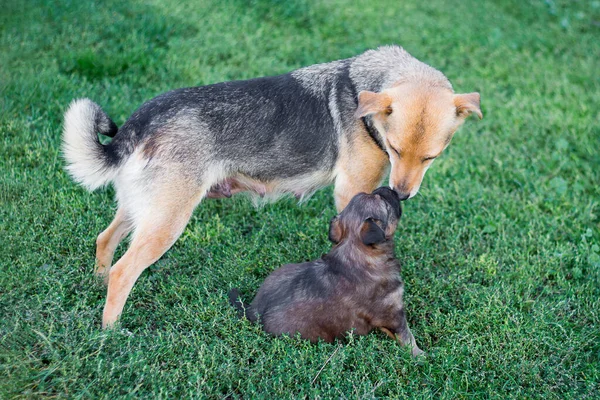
x: 500, y: 251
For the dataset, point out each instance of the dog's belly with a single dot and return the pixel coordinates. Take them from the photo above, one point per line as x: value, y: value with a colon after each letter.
x: 231, y: 186
x: 301, y: 187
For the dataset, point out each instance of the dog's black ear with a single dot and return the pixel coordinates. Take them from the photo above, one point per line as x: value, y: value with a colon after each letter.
x: 335, y: 230
x: 371, y: 233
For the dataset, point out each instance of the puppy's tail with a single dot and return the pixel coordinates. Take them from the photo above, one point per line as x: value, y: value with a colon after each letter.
x: 235, y: 301
x: 89, y: 162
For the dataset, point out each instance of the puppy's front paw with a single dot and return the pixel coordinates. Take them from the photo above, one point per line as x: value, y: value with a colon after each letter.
x: 417, y: 352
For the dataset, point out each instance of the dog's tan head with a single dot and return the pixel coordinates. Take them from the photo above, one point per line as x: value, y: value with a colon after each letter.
x: 417, y: 122
x: 370, y: 219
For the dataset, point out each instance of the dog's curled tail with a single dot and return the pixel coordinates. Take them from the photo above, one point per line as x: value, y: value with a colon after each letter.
x: 88, y: 161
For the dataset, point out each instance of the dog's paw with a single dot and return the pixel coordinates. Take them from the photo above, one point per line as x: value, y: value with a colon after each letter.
x: 102, y: 271
x: 417, y: 352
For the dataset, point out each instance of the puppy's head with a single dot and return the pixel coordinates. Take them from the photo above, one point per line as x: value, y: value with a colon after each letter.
x: 370, y: 219
x: 417, y: 122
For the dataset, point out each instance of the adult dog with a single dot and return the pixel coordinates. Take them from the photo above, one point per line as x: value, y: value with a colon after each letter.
x: 345, y: 122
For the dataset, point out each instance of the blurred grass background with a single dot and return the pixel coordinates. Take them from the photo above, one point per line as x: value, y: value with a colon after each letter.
x: 500, y: 250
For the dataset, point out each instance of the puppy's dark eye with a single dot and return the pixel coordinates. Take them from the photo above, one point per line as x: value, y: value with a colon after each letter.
x: 398, y: 153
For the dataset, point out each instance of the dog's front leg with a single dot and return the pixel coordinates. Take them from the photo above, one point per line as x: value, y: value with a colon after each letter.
x: 403, y: 334
x: 348, y: 185
x: 360, y: 168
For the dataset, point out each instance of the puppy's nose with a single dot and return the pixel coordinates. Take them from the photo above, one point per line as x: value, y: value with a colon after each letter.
x: 402, y: 195
x: 386, y: 193
x: 391, y: 197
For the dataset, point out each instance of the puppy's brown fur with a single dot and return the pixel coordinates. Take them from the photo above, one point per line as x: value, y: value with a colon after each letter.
x: 357, y: 286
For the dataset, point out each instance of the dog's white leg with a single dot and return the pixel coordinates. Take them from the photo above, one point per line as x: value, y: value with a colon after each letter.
x: 108, y: 240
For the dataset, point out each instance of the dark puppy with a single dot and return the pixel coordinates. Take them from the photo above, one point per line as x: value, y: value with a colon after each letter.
x: 356, y: 286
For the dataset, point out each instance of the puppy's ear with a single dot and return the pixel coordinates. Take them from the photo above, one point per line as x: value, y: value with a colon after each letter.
x: 371, y: 233
x: 372, y: 103
x: 466, y: 104
x: 335, y: 230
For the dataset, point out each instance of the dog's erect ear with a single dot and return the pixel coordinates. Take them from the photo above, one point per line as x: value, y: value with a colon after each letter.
x: 372, y: 103
x: 466, y: 104
x: 371, y: 233
x: 335, y: 230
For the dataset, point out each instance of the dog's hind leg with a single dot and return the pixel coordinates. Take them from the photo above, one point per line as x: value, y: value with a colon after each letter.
x: 108, y: 240
x: 157, y: 230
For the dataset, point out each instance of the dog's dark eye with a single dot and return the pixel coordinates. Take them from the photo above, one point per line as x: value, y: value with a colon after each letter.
x: 425, y: 159
x: 398, y: 153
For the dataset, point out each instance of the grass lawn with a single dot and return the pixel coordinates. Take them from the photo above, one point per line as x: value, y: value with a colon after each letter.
x: 500, y: 250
